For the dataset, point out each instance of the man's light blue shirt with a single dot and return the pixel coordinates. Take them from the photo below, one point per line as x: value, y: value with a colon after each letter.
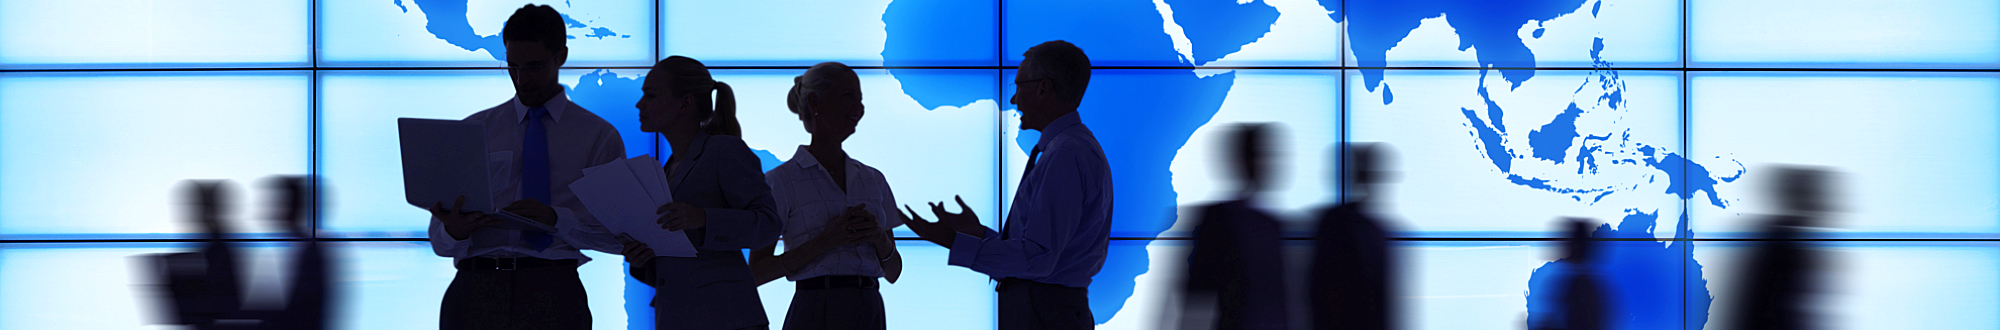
x: 1059, y: 223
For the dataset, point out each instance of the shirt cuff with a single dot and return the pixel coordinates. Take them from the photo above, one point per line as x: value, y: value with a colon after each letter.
x: 965, y: 250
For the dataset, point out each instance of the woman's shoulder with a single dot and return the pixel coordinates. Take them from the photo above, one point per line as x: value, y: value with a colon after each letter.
x: 727, y: 145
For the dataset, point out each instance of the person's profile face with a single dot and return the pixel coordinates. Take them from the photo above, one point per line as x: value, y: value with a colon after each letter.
x: 658, y: 109
x: 533, y: 69
x: 1030, y: 92
x: 839, y: 109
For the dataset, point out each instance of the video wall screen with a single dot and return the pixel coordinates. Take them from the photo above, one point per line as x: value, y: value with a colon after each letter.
x: 1662, y: 120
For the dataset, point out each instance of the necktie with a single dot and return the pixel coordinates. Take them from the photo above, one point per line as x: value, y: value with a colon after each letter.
x: 1032, y: 155
x: 535, y: 171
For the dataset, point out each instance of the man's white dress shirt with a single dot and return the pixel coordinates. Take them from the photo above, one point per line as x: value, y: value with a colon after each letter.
x: 577, y: 139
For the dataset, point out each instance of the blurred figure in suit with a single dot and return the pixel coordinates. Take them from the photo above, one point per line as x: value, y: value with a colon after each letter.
x: 1779, y: 276
x: 1584, y: 295
x: 205, y: 287
x: 202, y: 287
x: 1235, y: 270
x: 1353, y: 282
x: 308, y: 297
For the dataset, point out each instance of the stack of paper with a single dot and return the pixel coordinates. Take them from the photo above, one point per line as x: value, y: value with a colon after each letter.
x: 624, y: 195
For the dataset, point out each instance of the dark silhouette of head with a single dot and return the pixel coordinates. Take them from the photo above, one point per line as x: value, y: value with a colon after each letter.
x: 827, y: 99
x: 1801, y: 190
x: 1250, y: 150
x: 208, y: 201
x: 1577, y: 243
x: 1050, y: 83
x: 1365, y: 167
x: 295, y: 199
x: 676, y: 100
x: 536, y: 50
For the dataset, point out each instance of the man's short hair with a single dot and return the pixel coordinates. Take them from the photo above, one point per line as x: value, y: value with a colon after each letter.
x: 1064, y: 65
x: 537, y: 23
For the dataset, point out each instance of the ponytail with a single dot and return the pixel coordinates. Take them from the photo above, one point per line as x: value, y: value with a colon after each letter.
x: 723, y: 120
x: 690, y: 77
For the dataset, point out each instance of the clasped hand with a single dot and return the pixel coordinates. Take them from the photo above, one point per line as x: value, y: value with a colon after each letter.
x: 853, y: 226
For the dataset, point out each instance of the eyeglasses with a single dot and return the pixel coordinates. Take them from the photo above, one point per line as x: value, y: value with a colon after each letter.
x: 531, y: 66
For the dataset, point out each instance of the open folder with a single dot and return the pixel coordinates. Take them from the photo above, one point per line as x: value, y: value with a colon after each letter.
x: 445, y: 159
x: 624, y: 195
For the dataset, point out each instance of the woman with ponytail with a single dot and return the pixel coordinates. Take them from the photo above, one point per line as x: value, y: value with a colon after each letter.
x: 720, y: 202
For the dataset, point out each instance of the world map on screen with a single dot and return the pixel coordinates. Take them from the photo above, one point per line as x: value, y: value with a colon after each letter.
x: 1143, y: 122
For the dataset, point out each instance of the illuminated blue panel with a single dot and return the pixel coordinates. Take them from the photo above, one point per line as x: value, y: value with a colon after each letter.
x: 78, y: 286
x: 1182, y: 33
x: 1441, y: 290
x: 467, y: 33
x: 929, y: 294
x: 125, y: 34
x: 1177, y: 143
x: 1915, y: 152
x: 1498, y: 162
x: 858, y: 32
x: 1865, y: 34
x: 1517, y: 34
x: 105, y: 153
x: 1456, y: 285
x: 358, y: 116
x: 929, y: 151
x: 1875, y: 285
x: 358, y: 158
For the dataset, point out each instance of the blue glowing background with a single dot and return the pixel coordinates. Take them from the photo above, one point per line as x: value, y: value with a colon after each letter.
x: 1652, y: 116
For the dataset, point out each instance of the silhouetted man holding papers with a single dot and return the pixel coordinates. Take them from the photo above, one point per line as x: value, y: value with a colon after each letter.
x: 538, y: 143
x: 1056, y: 231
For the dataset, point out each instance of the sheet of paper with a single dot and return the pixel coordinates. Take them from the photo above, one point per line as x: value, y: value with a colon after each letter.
x: 650, y: 177
x: 618, y: 199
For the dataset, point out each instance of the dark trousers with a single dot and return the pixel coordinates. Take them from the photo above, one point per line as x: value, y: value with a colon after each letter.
x: 836, y: 308
x: 541, y: 298
x: 1028, y: 305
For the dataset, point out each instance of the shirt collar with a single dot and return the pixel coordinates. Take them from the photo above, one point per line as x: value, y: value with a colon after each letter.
x: 556, y: 105
x: 1056, y: 127
x: 804, y: 158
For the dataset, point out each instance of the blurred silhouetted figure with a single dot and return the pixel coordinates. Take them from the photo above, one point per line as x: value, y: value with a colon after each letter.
x: 1353, y: 284
x: 1236, y: 268
x: 205, y: 285
x: 1778, y: 275
x: 308, y: 296
x: 1584, y: 297
x: 202, y: 286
